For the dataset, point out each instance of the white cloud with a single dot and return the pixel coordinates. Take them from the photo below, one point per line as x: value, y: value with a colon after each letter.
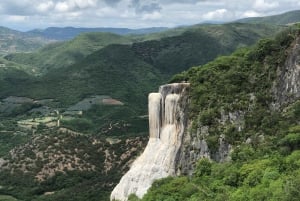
x: 62, y: 7
x: 133, y: 13
x: 215, y: 15
x: 251, y: 13
x: 72, y: 5
x: 16, y: 18
x: 152, y: 16
x: 45, y: 6
x: 83, y: 4
x: 107, y: 12
x: 263, y: 5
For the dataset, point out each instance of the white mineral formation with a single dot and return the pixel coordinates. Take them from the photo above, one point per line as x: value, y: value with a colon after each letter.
x: 166, y: 126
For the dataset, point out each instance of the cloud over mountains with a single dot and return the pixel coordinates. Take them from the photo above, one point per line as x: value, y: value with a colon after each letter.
x: 28, y: 14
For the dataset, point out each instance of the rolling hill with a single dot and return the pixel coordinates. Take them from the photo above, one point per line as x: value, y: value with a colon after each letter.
x: 188, y: 46
x: 68, y: 33
x: 62, y: 54
x: 12, y: 41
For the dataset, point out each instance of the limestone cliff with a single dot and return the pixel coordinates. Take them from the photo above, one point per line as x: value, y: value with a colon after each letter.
x: 175, y: 145
x: 287, y: 85
x: 167, y: 125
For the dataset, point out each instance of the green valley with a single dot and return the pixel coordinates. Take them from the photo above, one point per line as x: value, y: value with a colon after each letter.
x: 73, y: 114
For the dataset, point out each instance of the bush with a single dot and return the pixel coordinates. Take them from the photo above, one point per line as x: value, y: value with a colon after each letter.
x: 203, y: 167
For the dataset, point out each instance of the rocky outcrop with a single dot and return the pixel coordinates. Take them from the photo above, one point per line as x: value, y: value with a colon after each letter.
x: 167, y: 125
x: 287, y: 85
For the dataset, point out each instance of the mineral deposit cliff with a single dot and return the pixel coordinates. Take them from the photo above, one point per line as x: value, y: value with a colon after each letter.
x: 167, y: 124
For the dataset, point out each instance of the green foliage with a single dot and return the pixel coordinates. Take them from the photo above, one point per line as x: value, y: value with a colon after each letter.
x: 78, y: 124
x: 292, y: 139
x: 62, y: 54
x: 71, y: 185
x: 7, y: 198
x: 239, y: 83
x: 93, y: 64
x: 170, y: 189
x: 259, y: 169
x: 9, y: 140
x: 203, y: 167
x: 133, y: 197
x: 258, y: 179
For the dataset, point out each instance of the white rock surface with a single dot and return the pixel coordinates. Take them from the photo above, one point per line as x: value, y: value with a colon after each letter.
x: 166, y: 127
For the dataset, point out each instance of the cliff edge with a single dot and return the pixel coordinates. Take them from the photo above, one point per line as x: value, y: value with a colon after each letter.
x: 167, y: 124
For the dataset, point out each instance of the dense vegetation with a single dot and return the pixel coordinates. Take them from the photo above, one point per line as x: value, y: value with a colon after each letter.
x: 186, y: 46
x: 63, y: 54
x: 91, y: 151
x: 267, y: 166
x: 90, y: 175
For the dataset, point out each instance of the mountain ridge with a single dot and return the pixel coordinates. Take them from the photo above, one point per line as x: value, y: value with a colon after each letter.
x: 280, y: 19
x: 160, y: 47
x: 67, y: 33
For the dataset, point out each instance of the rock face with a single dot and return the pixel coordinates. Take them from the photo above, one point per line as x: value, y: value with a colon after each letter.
x: 167, y: 125
x: 286, y: 89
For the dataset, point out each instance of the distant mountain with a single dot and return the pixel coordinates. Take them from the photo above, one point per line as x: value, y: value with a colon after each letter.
x: 199, y: 44
x: 12, y: 41
x: 62, y: 54
x: 282, y: 19
x: 68, y: 33
x: 186, y: 46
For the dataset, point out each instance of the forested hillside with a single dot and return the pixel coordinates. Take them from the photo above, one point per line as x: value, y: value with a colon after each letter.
x: 73, y: 115
x: 172, y: 51
x: 265, y: 137
x: 12, y: 41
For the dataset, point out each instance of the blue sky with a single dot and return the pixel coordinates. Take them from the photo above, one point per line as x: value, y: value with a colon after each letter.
x: 30, y: 14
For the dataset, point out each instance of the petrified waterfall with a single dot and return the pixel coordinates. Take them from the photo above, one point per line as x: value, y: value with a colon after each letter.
x: 167, y: 124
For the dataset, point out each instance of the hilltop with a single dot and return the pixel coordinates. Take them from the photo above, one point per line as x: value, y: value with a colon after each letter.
x: 67, y: 33
x: 12, y: 41
x: 281, y: 19
x: 63, y: 54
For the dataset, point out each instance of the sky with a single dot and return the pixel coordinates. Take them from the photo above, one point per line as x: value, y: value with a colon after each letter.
x: 30, y: 14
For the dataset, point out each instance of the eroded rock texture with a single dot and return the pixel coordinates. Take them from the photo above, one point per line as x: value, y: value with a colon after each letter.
x: 167, y: 125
